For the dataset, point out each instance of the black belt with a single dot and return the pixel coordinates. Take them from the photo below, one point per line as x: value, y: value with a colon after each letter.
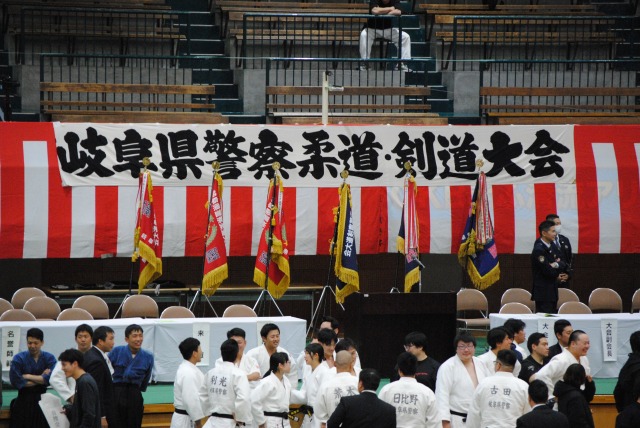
x: 221, y: 415
x: 463, y: 415
x: 181, y: 412
x: 283, y: 415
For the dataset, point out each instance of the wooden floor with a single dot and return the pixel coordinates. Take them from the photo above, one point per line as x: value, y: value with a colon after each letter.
x: 159, y: 415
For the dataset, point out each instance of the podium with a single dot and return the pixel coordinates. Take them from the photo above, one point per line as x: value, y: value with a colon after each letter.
x: 378, y: 323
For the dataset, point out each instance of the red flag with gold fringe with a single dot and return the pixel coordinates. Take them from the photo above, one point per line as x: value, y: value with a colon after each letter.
x: 216, y: 269
x: 274, y: 228
x: 146, y: 238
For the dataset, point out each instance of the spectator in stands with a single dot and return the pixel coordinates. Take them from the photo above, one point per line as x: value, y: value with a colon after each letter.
x: 132, y: 367
x: 572, y: 400
x: 29, y: 374
x: 383, y: 28
x: 85, y: 410
x: 562, y: 329
x: 65, y: 385
x: 629, y: 375
x: 538, y: 346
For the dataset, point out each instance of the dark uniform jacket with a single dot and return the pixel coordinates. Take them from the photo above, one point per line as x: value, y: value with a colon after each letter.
x: 574, y: 403
x: 545, y: 287
x: 365, y: 410
x: 630, y: 373
x: 542, y: 417
x: 95, y: 364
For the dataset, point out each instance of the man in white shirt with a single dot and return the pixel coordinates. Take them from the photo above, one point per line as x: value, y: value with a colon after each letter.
x: 188, y: 394
x: 227, y: 387
x: 499, y: 400
x: 457, y: 378
x: 270, y: 334
x: 245, y: 363
x: 63, y: 385
x: 498, y: 339
x: 414, y: 402
x: 343, y: 384
x: 576, y: 353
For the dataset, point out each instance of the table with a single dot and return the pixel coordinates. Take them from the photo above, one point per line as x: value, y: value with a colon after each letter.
x: 162, y: 336
x: 592, y: 325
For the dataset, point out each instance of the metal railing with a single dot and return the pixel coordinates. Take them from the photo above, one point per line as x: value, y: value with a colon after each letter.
x: 561, y: 85
x: 266, y: 35
x: 537, y: 37
x: 100, y: 31
x: 305, y: 72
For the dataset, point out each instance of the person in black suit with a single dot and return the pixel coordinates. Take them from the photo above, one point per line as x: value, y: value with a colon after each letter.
x: 630, y: 416
x: 564, y: 246
x: 541, y: 415
x: 366, y: 409
x: 97, y: 364
x: 548, y: 269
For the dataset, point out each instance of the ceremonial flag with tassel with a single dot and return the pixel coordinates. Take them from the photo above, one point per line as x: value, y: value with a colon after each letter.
x: 216, y: 269
x: 478, y: 253
x: 146, y: 238
x: 408, y: 235
x: 279, y: 276
x: 346, y: 267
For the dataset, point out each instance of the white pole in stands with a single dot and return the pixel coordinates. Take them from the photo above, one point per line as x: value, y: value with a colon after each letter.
x: 326, y: 88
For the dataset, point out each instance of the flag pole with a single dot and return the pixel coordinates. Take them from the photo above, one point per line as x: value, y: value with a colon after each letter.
x: 265, y: 290
x: 394, y: 289
x: 344, y: 174
x: 145, y: 162
x: 198, y: 297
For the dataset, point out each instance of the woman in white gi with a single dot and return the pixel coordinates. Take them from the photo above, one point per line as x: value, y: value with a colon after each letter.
x: 313, y: 356
x: 228, y: 390
x: 270, y: 399
x: 457, y: 380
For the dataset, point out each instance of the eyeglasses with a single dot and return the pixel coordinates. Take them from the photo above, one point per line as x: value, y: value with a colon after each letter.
x: 463, y: 347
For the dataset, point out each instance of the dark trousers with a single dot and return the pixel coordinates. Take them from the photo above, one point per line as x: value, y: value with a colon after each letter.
x: 547, y: 307
x: 25, y: 410
x: 129, y: 405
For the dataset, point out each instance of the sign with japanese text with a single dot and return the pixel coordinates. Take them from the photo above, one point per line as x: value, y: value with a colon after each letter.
x: 10, y: 345
x: 201, y: 331
x: 313, y: 156
x: 609, y: 330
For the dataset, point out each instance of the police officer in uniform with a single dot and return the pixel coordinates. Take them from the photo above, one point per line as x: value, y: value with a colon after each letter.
x: 564, y: 246
x: 548, y: 268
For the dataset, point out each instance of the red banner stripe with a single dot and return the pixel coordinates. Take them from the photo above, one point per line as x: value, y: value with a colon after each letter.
x: 106, y: 239
x: 587, y: 190
x: 503, y: 220
x: 545, y: 195
x: 460, y: 202
x: 241, y: 221
x: 12, y: 196
x: 424, y: 218
x: 290, y: 218
x: 374, y: 234
x: 328, y: 198
x: 158, y: 207
x: 196, y: 226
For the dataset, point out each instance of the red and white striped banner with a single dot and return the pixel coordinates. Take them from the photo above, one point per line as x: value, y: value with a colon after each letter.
x: 42, y: 219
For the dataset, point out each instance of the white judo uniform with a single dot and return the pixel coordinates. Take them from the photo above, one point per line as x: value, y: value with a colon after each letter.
x: 454, y: 389
x: 271, y: 395
x: 489, y: 360
x: 188, y: 395
x: 415, y: 403
x: 498, y: 401
x: 63, y: 385
x: 229, y: 394
x: 523, y: 350
x: 261, y: 356
x: 248, y: 365
x: 309, y: 391
x: 555, y: 369
x: 331, y: 391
